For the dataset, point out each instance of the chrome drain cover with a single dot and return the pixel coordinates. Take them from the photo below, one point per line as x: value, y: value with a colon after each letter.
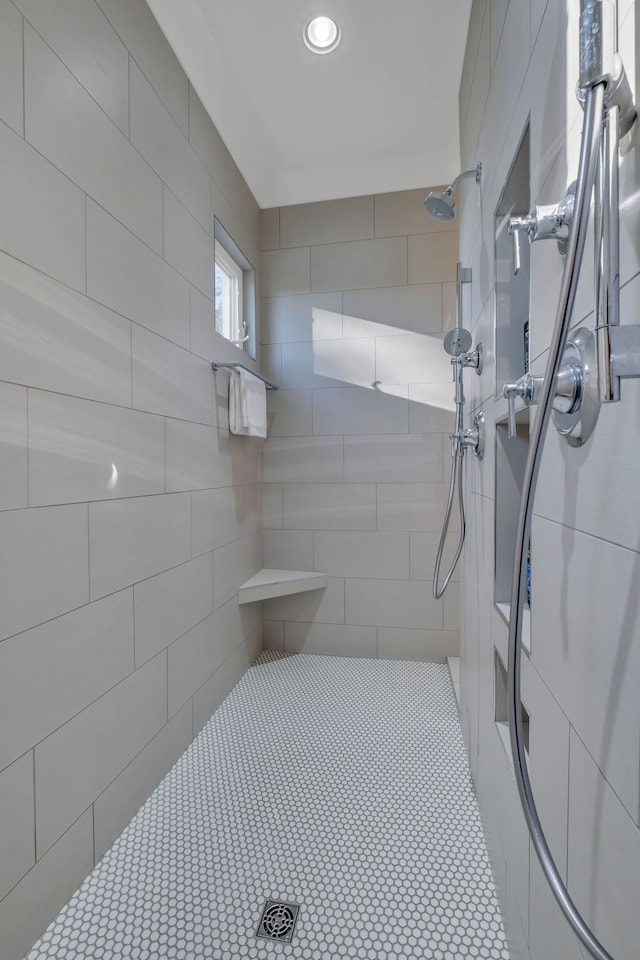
x: 278, y: 921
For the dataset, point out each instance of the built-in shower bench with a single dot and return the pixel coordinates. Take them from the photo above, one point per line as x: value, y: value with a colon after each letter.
x: 267, y: 583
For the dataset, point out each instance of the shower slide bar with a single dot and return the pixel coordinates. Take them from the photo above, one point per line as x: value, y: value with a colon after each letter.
x: 216, y: 365
x: 608, y: 113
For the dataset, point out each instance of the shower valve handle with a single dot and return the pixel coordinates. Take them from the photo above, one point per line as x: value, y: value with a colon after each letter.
x: 527, y: 389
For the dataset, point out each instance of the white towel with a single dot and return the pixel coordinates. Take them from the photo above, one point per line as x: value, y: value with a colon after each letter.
x: 247, y: 405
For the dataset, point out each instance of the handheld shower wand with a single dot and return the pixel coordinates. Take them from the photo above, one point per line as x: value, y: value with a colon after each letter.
x: 457, y: 343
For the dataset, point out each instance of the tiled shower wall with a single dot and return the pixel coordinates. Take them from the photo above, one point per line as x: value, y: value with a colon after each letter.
x: 356, y: 295
x: 581, y: 684
x: 128, y: 515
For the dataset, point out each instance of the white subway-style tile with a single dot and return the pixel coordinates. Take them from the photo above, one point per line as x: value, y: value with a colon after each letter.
x: 17, y: 824
x: 11, y: 68
x: 116, y: 806
x: 43, y: 212
x: 13, y: 447
x: 195, y: 656
x: 198, y: 456
x: 53, y: 671
x: 136, y: 538
x: 76, y: 763
x: 81, y: 450
x: 355, y: 553
x: 44, y: 570
x: 68, y: 127
x: 128, y: 277
x: 54, y: 338
x: 162, y: 143
x: 170, y: 604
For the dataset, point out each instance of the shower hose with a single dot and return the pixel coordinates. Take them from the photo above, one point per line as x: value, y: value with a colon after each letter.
x: 593, y: 117
x: 457, y: 457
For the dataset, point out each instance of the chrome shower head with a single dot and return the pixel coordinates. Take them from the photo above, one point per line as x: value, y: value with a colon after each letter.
x: 441, y: 206
x: 457, y: 341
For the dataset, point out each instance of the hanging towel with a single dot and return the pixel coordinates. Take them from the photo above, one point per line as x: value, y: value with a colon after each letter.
x: 247, y: 405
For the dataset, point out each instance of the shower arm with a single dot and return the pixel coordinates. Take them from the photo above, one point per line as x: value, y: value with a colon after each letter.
x: 476, y: 173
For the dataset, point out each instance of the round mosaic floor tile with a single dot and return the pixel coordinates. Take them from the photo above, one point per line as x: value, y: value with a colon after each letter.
x: 340, y: 785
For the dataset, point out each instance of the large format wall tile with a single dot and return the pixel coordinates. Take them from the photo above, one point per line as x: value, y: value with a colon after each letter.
x: 17, y: 827
x: 81, y: 450
x: 159, y: 139
x: 170, y: 604
x: 195, y: 656
x: 128, y: 277
x: 361, y: 263
x: 139, y: 31
x: 11, y: 70
x: 43, y: 213
x: 44, y: 565
x: 89, y: 47
x: 13, y: 446
x: 169, y: 380
x: 131, y: 540
x: 66, y: 125
x: 55, y: 339
x: 55, y: 670
x: 333, y: 221
x: 75, y: 764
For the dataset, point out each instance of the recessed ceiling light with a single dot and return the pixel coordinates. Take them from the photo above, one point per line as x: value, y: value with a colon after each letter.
x: 321, y: 35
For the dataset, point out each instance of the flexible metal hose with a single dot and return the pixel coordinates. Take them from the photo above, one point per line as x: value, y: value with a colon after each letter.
x: 593, y: 116
x: 457, y: 458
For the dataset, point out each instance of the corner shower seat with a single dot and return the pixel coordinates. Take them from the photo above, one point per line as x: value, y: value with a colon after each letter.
x: 267, y: 583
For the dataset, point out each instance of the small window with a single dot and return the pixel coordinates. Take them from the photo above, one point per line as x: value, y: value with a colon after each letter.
x: 235, y: 292
x: 230, y: 322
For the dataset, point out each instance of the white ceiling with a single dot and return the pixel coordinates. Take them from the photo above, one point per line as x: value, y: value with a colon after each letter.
x: 378, y: 114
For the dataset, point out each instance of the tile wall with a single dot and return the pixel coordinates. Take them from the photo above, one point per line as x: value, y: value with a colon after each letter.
x: 581, y: 684
x: 128, y: 514
x: 357, y: 293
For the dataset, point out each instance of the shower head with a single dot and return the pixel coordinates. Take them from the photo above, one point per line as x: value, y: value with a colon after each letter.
x: 457, y: 341
x: 441, y: 206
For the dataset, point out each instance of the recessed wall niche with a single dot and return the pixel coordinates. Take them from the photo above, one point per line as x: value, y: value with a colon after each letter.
x: 512, y: 274
x: 511, y: 459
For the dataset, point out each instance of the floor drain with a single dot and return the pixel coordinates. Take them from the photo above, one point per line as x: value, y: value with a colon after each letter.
x: 278, y: 921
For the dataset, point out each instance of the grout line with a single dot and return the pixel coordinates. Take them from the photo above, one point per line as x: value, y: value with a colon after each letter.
x: 35, y: 847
